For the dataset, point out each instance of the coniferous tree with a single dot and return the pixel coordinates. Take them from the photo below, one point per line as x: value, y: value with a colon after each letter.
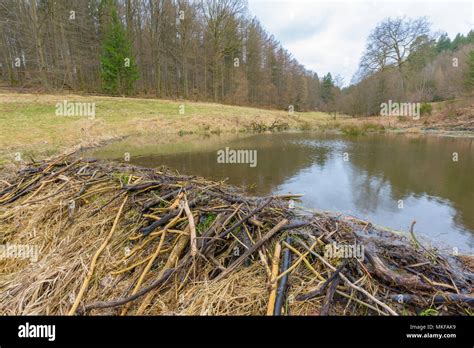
x: 444, y: 43
x: 326, y: 88
x: 118, y: 69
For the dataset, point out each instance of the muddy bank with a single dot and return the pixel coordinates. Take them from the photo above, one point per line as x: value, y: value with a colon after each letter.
x: 91, y: 237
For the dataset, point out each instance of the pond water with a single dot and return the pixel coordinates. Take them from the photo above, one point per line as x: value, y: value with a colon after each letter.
x: 387, y: 179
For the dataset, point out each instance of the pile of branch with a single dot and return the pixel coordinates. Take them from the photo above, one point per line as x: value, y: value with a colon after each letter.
x: 117, y: 239
x: 260, y: 127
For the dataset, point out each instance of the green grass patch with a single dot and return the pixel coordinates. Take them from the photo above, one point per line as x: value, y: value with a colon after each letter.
x: 206, y: 223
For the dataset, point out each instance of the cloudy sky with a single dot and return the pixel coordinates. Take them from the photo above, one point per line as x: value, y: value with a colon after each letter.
x: 330, y: 36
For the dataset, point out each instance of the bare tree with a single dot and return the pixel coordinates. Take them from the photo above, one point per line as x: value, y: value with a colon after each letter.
x: 219, y: 17
x: 391, y: 42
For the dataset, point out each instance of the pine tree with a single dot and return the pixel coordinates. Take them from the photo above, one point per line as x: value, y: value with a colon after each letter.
x: 118, y: 68
x: 444, y: 43
x: 326, y: 88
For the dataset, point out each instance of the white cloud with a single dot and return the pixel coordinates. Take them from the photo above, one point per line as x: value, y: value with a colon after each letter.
x: 330, y: 36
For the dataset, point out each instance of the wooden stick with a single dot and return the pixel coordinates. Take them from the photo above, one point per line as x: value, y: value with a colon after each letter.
x: 265, y: 263
x: 273, y: 282
x: 192, y: 227
x: 176, y: 202
x: 252, y: 249
x: 329, y: 295
x: 281, y: 292
x: 73, y: 309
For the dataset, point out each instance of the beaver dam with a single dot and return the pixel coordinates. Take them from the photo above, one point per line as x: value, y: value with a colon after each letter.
x: 124, y: 240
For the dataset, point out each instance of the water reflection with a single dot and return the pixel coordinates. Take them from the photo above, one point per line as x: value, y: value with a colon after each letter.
x: 388, y: 179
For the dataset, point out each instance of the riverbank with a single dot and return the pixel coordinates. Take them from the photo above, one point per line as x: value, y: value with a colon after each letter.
x: 106, y: 238
x: 34, y: 127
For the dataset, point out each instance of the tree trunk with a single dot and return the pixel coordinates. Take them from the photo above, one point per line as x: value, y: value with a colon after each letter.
x: 42, y: 67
